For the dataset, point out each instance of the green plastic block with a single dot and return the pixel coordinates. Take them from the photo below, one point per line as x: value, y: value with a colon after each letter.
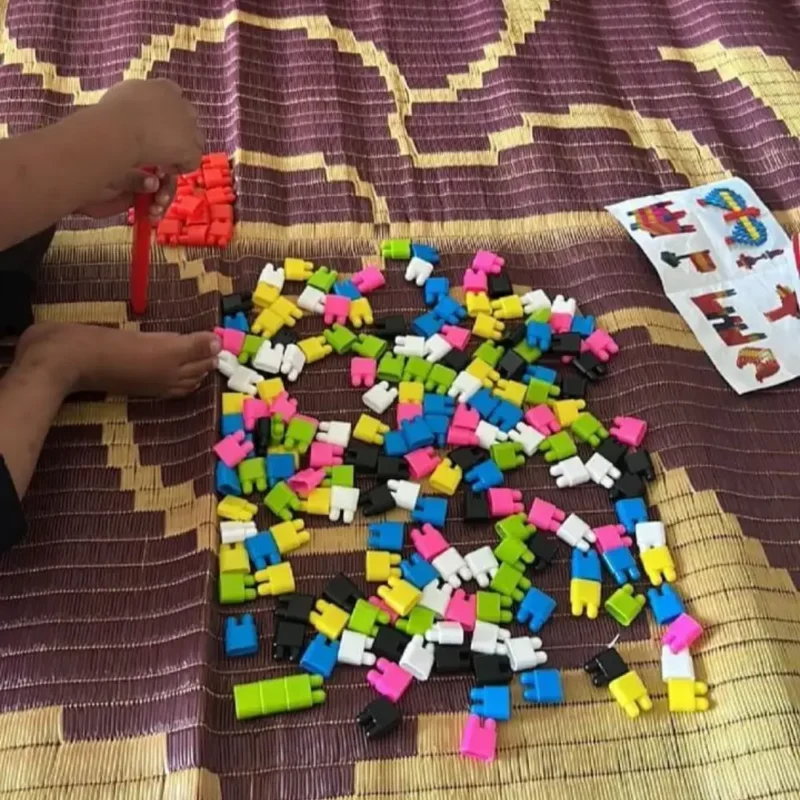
x: 282, y: 501
x: 510, y: 582
x: 624, y: 605
x: 277, y: 429
x: 253, y: 475
x: 440, y: 379
x: 526, y: 352
x: 390, y: 368
x: 234, y: 587
x: 418, y: 621
x: 369, y: 346
x: 558, y: 447
x: 341, y: 339
x: 277, y: 696
x: 490, y: 353
x: 542, y: 315
x: 300, y: 432
x: 340, y: 476
x: 589, y: 429
x: 515, y: 527
x: 366, y: 617
x: 507, y: 455
x: 396, y: 248
x: 539, y: 392
x: 514, y: 553
x: 323, y: 279
x: 250, y: 347
x: 492, y: 607
x: 417, y: 369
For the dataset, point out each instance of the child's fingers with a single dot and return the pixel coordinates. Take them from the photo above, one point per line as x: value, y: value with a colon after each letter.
x: 139, y: 181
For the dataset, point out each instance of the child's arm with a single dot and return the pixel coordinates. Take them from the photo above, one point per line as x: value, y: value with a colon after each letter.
x: 56, y: 170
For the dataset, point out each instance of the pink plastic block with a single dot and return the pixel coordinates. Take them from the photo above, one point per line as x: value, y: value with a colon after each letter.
x: 233, y: 449
x: 543, y: 419
x: 545, y: 516
x: 337, y: 307
x: 363, y: 371
x: 479, y: 738
x: 389, y: 680
x: 486, y: 261
x: 429, y: 542
x: 462, y: 608
x: 407, y: 411
x: 610, y: 537
x: 231, y: 339
x: 629, y: 430
x: 422, y: 463
x: 368, y: 280
x: 600, y: 344
x: 475, y: 281
x: 284, y: 405
x: 253, y: 409
x: 378, y: 603
x: 459, y: 437
x: 305, y: 481
x: 465, y: 417
x: 458, y: 337
x: 561, y: 323
x: 505, y: 502
x: 682, y: 633
x: 322, y: 454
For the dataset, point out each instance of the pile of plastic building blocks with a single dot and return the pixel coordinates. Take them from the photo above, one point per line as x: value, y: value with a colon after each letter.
x: 462, y: 422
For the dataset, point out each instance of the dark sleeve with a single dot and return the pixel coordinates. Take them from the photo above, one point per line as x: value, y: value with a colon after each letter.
x: 12, y: 521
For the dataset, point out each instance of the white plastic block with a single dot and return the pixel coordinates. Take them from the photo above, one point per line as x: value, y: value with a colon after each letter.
x: 272, y: 276
x: 312, y: 300
x: 409, y: 346
x: 436, y: 348
x: 576, y: 533
x: 676, y: 665
x: 535, y: 301
x: 379, y: 397
x: 464, y: 386
x: 570, y: 472
x: 240, y: 378
x: 602, y: 471
x: 489, y: 638
x: 344, y: 503
x: 525, y: 652
x: 418, y: 271
x: 489, y: 434
x: 446, y: 633
x: 528, y: 437
x: 353, y: 649
x: 481, y: 562
x: 564, y: 305
x: 417, y: 658
x: 405, y: 493
x: 232, y: 532
x: 268, y: 358
x: 452, y: 567
x: 335, y: 432
x: 436, y: 598
x: 649, y: 535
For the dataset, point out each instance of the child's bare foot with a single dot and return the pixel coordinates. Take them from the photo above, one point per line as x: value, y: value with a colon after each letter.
x: 91, y: 358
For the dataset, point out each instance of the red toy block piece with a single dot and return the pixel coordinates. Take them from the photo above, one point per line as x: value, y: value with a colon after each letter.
x: 220, y: 194
x: 194, y: 235
x: 221, y: 211
x: 183, y: 207
x: 201, y: 214
x: 169, y: 231
x: 214, y: 178
x: 214, y: 161
x: 220, y: 233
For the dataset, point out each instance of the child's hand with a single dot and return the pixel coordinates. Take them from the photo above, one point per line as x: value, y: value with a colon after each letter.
x: 119, y: 198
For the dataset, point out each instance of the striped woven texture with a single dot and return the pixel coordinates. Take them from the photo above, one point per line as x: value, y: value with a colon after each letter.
x: 501, y: 124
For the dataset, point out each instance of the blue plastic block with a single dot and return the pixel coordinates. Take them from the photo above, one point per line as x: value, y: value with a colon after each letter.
x: 620, y: 563
x: 630, y: 511
x: 230, y: 423
x: 506, y: 416
x: 280, y: 467
x: 665, y: 603
x: 586, y: 566
x: 542, y: 686
x: 484, y: 402
x: 432, y: 510
x: 538, y: 334
x: 485, y: 476
x: 540, y: 374
x: 427, y: 325
x: 386, y: 536
x: 491, y: 702
x: 438, y: 404
x: 241, y: 636
x: 262, y: 550
x: 418, y: 571
x: 582, y: 325
x: 435, y: 289
x: 226, y: 480
x: 450, y: 311
x: 346, y: 289
x: 395, y: 444
x: 238, y: 321
x: 417, y: 433
x: 320, y: 656
x: 439, y: 426
x: 425, y: 252
x: 535, y: 609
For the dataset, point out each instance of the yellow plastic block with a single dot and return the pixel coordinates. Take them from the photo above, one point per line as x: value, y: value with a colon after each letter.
x: 584, y: 596
x: 511, y: 390
x: 233, y: 558
x: 487, y: 327
x: 267, y: 323
x: 381, y: 565
x: 236, y: 509
x: 315, y: 348
x: 409, y: 392
x: 265, y: 295
x: 269, y: 389
x: 399, y: 595
x: 446, y: 478
x: 290, y: 535
x: 370, y: 430
x: 276, y: 579
x: 483, y: 372
x: 629, y: 691
x: 328, y: 619
x: 295, y: 269
x: 508, y: 308
x: 478, y: 303
x: 659, y: 565
x: 233, y: 402
x: 287, y: 311
x: 687, y: 695
x: 566, y: 411
x: 318, y: 502
x: 361, y: 312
